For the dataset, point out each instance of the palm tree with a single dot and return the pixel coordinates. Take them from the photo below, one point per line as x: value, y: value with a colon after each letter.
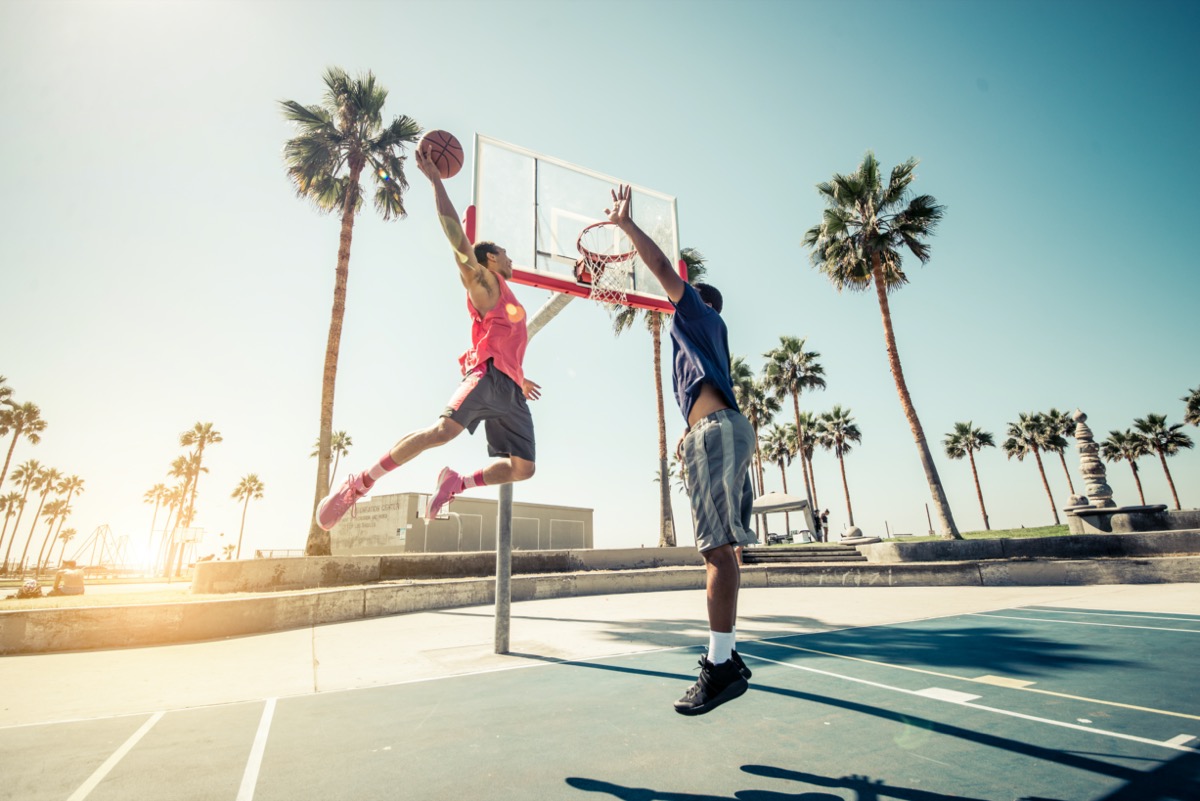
x: 858, y: 245
x: 1126, y: 446
x: 777, y: 449
x: 23, y: 421
x: 228, y: 550
x: 1192, y: 401
x: 336, y: 141
x: 1165, y: 440
x: 249, y: 487
x: 55, y: 511
x: 44, y: 483
x: 1027, y: 436
x: 965, y: 440
x: 66, y: 535
x: 24, y: 476
x: 654, y: 322
x: 759, y: 407
x: 71, y: 485
x: 838, y: 432
x: 155, y: 495
x: 1059, y: 426
x: 790, y: 370
x: 174, y: 499
x: 12, y: 502
x: 806, y: 443
x: 339, y: 445
x: 200, y: 435
x: 6, y: 393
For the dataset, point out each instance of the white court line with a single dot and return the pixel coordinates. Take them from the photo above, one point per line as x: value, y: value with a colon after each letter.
x: 1022, y: 716
x: 1050, y: 611
x: 86, y: 788
x: 1081, y: 623
x: 250, y: 777
x: 1182, y: 739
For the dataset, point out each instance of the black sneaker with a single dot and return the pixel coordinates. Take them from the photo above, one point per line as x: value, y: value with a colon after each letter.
x: 741, y: 666
x: 716, y: 685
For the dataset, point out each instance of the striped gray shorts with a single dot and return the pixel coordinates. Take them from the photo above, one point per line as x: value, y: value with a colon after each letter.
x: 717, y: 454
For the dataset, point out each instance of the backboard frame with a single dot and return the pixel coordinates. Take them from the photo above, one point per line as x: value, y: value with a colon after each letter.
x: 529, y: 274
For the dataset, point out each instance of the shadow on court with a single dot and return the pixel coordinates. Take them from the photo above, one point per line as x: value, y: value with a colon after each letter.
x: 989, y: 648
x: 867, y: 789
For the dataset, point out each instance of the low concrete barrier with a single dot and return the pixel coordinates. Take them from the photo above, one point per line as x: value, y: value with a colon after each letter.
x: 1078, y: 546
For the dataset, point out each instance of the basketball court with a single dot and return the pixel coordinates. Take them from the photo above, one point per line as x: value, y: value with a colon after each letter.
x: 1032, y: 693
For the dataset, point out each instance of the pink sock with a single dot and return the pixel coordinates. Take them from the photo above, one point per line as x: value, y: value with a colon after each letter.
x: 474, y: 480
x: 385, y: 466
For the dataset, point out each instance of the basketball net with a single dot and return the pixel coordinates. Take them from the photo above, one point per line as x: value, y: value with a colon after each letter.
x: 606, y: 263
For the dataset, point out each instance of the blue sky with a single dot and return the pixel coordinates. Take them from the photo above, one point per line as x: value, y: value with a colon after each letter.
x: 158, y: 269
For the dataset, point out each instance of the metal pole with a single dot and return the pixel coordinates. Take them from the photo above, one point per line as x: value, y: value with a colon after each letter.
x: 930, y: 519
x: 503, y: 567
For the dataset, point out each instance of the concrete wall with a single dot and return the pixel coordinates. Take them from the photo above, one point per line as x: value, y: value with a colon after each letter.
x: 1079, y: 546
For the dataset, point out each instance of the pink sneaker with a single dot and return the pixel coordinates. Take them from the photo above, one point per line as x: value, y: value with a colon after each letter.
x: 335, y: 505
x: 449, y: 485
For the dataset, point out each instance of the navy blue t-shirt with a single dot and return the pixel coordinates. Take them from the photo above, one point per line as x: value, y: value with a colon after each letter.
x: 700, y: 344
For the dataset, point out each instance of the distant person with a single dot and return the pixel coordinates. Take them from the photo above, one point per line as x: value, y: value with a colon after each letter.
x: 715, y: 450
x: 28, y: 589
x: 68, y: 580
x: 494, y: 390
x: 825, y: 525
x: 817, y: 530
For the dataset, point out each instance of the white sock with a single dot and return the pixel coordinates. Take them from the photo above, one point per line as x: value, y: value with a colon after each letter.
x: 733, y: 642
x: 720, y: 645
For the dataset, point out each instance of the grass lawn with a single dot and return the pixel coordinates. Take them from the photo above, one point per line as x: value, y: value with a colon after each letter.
x: 997, y: 534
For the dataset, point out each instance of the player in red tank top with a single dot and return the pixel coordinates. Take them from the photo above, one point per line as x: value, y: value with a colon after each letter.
x: 494, y: 389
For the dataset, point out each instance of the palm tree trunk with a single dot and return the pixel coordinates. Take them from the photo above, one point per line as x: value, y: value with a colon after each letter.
x: 63, y: 553
x: 803, y: 465
x: 1046, y: 484
x: 1070, y: 484
x: 318, y: 543
x: 949, y: 530
x: 29, y: 539
x: 3, y: 532
x: 787, y: 518
x: 242, y: 528
x: 1170, y: 482
x: 16, y: 526
x: 1137, y: 480
x: 153, y: 520
x: 978, y: 491
x: 812, y: 477
x: 47, y: 540
x: 666, y: 523
x: 846, y: 491
x: 8, y: 458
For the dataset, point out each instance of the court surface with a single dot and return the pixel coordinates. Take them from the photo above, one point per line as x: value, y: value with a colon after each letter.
x: 1033, y: 693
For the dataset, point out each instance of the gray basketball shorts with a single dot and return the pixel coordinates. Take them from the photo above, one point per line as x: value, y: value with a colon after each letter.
x: 716, y: 454
x: 489, y: 396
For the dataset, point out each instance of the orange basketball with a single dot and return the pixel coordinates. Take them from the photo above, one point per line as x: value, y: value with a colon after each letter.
x: 444, y: 150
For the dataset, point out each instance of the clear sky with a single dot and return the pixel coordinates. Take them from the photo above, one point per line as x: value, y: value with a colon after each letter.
x: 158, y: 270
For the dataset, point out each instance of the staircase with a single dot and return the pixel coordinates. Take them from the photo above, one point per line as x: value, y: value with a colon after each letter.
x: 802, y: 554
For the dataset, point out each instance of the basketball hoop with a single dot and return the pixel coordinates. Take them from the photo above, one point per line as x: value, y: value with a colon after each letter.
x: 605, y: 255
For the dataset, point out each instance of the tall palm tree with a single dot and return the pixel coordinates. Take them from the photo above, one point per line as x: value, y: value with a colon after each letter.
x: 10, y: 503
x: 22, y: 421
x: 200, y: 435
x: 44, y: 483
x: 174, y: 499
x: 24, y: 476
x: 777, y: 449
x: 1192, y: 406
x: 965, y: 440
x: 858, y: 246
x: 1165, y: 440
x: 1028, y: 435
x: 66, y: 535
x: 69, y: 486
x: 838, y: 433
x: 155, y: 495
x: 1060, y: 426
x: 339, y: 445
x: 759, y: 408
x: 55, y: 511
x: 249, y: 487
x: 654, y: 322
x: 791, y: 370
x: 1126, y: 446
x: 806, y: 443
x: 337, y: 140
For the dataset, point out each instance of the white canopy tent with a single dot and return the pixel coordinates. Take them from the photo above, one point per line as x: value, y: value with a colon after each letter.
x: 775, y: 502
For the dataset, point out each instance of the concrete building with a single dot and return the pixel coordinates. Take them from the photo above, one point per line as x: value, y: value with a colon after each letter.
x: 387, y: 524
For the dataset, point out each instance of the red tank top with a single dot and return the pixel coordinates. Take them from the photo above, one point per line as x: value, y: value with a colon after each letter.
x: 498, y: 335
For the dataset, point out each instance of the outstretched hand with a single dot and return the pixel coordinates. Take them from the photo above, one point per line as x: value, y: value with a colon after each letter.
x: 619, y: 213
x: 425, y: 165
x: 531, y: 390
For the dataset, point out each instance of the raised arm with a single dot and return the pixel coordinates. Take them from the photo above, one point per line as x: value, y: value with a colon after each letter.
x: 481, y: 286
x: 647, y: 249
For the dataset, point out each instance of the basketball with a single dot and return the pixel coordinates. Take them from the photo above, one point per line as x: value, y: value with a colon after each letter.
x: 444, y: 150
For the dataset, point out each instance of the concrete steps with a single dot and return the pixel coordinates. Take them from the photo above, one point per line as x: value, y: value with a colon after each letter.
x: 813, y: 554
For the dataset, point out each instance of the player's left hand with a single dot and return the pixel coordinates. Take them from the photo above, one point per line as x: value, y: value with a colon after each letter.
x: 532, y: 391
x: 619, y: 213
x: 426, y: 165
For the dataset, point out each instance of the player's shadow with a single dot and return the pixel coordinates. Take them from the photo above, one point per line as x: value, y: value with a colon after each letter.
x: 864, y: 787
x: 991, y: 648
